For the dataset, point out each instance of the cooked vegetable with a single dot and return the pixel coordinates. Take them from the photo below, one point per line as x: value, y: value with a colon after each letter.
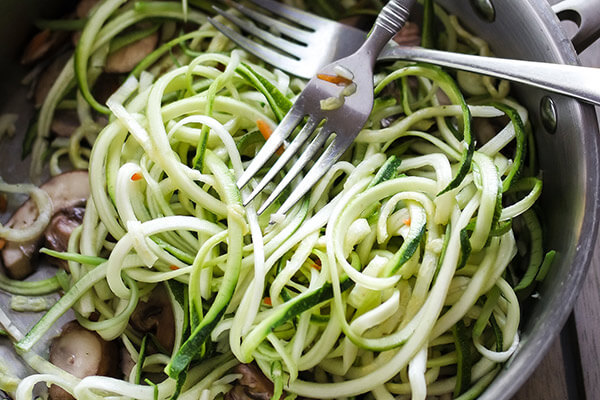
x: 66, y: 193
x: 253, y: 384
x: 82, y: 353
x: 387, y: 280
x: 155, y: 316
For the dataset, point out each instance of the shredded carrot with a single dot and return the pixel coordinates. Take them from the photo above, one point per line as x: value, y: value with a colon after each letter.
x: 266, y: 131
x: 264, y: 128
x: 267, y: 301
x: 173, y: 267
x: 136, y: 177
x: 407, y: 222
x: 2, y: 243
x: 335, y: 79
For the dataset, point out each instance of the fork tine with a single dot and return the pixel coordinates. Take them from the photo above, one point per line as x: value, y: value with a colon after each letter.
x: 293, y: 14
x: 285, y: 128
x: 282, y: 44
x: 289, y: 152
x: 316, y: 172
x: 287, y: 29
x: 306, y: 156
x: 271, y: 56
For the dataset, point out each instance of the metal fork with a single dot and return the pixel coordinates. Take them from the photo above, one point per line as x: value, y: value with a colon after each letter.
x: 341, y: 125
x: 323, y: 41
x: 316, y: 41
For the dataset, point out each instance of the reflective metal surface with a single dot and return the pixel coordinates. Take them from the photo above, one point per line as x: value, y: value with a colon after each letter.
x: 548, y: 114
x: 485, y: 9
x: 569, y: 159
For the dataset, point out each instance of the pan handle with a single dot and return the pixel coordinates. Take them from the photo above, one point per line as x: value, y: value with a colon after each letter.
x: 586, y: 14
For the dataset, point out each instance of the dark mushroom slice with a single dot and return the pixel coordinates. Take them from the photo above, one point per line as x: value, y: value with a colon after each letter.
x: 237, y: 393
x: 253, y: 384
x: 67, y: 190
x: 82, y: 353
x: 58, y: 232
x: 155, y: 316
x: 105, y: 86
x: 409, y: 35
x: 125, y: 59
x: 65, y: 123
x: 42, y: 44
x: 127, y: 362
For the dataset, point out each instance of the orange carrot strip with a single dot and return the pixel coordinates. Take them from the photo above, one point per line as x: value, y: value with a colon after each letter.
x: 335, y: 79
x: 266, y: 131
x: 2, y: 243
x: 264, y: 128
x: 267, y: 301
x: 136, y: 177
x: 407, y: 222
x: 173, y: 267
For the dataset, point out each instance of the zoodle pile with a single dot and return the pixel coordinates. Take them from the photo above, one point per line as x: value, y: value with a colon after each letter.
x: 396, y: 276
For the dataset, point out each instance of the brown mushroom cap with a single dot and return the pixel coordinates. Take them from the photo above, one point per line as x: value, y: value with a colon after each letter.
x: 409, y: 35
x: 253, y: 384
x: 42, y: 44
x: 125, y: 59
x: 66, y: 191
x: 58, y: 232
x: 65, y: 123
x: 82, y: 353
x: 156, y: 316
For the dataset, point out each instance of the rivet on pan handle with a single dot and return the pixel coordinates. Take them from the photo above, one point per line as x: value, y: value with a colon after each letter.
x: 586, y: 14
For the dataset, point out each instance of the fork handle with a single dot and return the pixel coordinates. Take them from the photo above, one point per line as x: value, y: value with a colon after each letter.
x: 571, y: 80
x: 394, y: 14
x: 391, y: 19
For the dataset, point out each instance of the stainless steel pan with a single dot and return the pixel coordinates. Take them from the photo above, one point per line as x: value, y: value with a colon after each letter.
x: 568, y: 145
x: 569, y: 156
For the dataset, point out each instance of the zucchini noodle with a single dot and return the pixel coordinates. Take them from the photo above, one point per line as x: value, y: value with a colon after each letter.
x: 395, y: 276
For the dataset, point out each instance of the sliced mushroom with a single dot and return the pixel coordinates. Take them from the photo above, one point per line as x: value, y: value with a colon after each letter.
x: 155, y: 316
x: 127, y: 362
x: 237, y: 393
x: 58, y: 232
x: 82, y: 353
x: 66, y: 191
x: 409, y: 35
x: 104, y: 87
x: 253, y: 384
x: 65, y: 123
x: 42, y: 44
x: 126, y: 58
x: 485, y: 129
